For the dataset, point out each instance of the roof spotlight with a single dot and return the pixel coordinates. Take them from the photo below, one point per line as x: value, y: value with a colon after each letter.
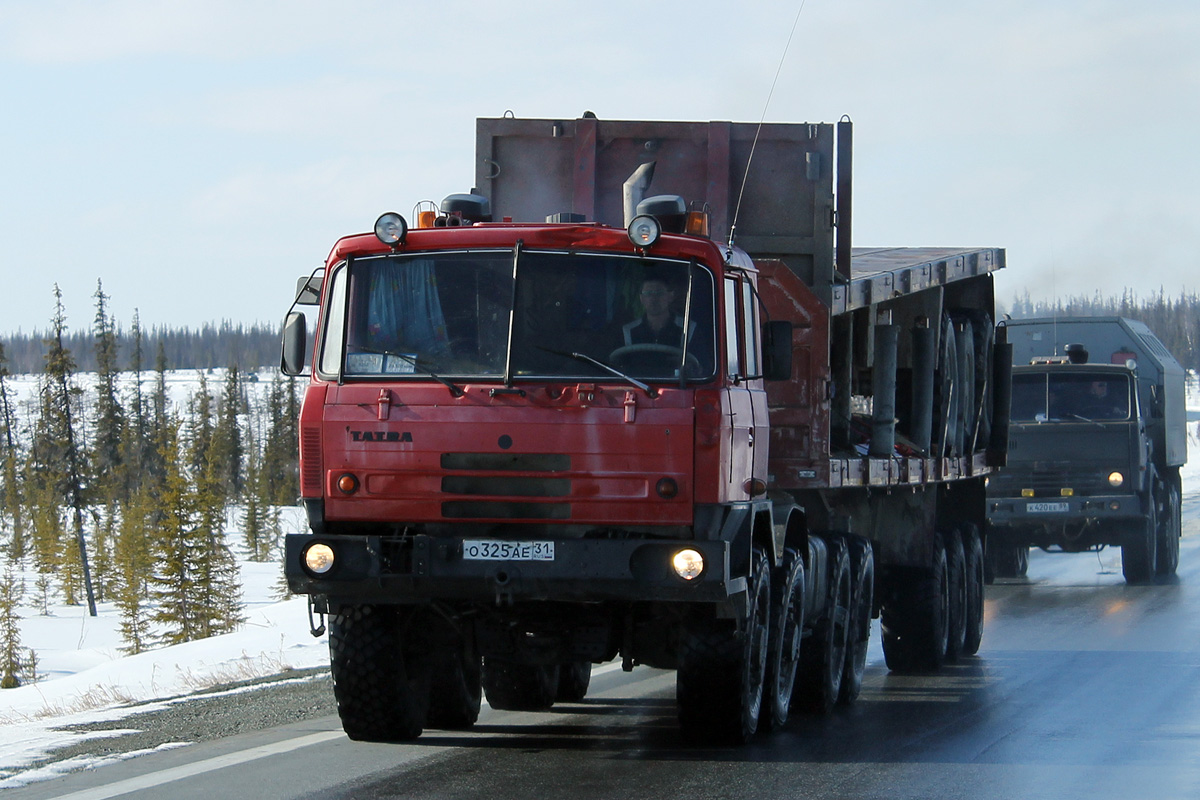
x: 391, y: 229
x: 644, y: 230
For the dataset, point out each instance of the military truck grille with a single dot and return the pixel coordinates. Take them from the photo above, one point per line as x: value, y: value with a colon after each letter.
x: 1050, y: 482
x: 502, y: 491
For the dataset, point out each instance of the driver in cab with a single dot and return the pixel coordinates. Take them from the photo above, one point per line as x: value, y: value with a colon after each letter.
x: 657, y: 324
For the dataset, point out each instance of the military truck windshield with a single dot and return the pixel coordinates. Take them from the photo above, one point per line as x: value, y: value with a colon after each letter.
x: 1070, y: 397
x: 450, y: 314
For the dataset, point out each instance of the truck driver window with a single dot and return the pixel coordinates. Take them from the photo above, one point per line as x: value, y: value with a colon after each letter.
x: 1089, y: 397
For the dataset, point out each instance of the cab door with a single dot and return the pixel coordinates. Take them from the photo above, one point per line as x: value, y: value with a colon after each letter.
x: 744, y: 405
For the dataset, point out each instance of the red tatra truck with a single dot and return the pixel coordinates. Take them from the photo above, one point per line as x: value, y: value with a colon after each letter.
x: 562, y: 419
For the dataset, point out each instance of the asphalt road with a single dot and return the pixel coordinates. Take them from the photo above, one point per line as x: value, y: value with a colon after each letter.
x: 1084, y: 688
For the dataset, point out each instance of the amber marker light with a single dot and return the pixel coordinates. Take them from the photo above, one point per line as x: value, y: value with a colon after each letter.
x: 347, y: 483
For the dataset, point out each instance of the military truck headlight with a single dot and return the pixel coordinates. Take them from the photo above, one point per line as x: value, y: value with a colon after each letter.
x: 318, y: 558
x: 1115, y: 479
x: 391, y: 228
x: 688, y: 564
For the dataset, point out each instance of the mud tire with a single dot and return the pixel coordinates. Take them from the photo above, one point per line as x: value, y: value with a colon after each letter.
x: 956, y: 573
x: 823, y: 656
x: 973, y: 553
x: 1139, y: 549
x: 573, y: 681
x: 382, y: 692
x: 862, y: 598
x: 783, y: 648
x: 510, y: 686
x: 455, y: 692
x: 719, y: 683
x: 1166, y: 558
x: 914, y: 618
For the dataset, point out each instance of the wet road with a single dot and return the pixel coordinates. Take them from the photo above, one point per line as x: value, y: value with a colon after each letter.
x: 1084, y: 688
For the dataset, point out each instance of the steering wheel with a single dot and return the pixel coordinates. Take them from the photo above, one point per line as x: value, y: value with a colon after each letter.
x: 690, y: 361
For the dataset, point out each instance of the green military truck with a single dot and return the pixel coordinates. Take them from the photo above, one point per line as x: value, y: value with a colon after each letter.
x: 1096, y: 440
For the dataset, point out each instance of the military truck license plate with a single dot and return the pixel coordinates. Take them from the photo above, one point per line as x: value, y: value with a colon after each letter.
x: 495, y: 550
x: 1046, y: 508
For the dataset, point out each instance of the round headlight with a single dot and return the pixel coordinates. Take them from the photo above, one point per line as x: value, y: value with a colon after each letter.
x: 688, y: 564
x: 391, y: 228
x: 318, y: 558
x: 1115, y: 479
x: 644, y: 230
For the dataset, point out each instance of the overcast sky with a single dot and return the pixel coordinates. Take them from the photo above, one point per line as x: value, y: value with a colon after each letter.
x: 197, y: 156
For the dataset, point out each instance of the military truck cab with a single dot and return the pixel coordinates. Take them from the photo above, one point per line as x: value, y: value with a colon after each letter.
x: 1096, y: 440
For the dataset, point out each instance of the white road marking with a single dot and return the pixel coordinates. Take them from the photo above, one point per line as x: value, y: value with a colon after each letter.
x: 153, y: 779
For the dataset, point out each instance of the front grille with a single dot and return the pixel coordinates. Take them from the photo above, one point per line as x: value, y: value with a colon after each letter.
x: 1049, y: 483
x: 509, y: 485
x: 507, y: 462
x: 486, y: 509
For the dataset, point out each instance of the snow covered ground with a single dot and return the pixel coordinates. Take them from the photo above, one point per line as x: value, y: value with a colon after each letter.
x: 87, y: 679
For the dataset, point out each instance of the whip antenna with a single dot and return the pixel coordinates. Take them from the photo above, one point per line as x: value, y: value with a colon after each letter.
x: 737, y: 208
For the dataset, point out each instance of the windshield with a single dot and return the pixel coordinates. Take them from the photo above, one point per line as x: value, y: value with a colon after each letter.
x: 1052, y: 397
x: 572, y: 315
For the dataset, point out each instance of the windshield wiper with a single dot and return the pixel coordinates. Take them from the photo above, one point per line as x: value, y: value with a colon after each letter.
x: 645, y: 387
x: 455, y: 391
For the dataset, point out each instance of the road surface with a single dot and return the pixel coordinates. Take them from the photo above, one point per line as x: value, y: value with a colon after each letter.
x: 1084, y: 688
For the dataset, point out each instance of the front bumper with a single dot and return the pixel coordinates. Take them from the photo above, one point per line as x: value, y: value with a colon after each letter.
x: 418, y: 568
x: 1032, y: 511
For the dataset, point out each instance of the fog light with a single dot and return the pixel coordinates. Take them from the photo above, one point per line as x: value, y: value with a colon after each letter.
x: 1114, y: 506
x: 318, y: 558
x: 1115, y: 479
x: 688, y: 564
x: 667, y: 488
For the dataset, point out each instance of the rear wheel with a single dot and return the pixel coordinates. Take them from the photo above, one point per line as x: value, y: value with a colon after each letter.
x: 573, y: 680
x: 719, y: 683
x: 1169, y: 528
x: 973, y: 553
x: 956, y: 574
x: 455, y: 691
x: 862, y: 594
x: 823, y: 657
x: 519, y: 687
x: 914, y: 619
x: 1008, y: 560
x: 783, y: 653
x: 382, y: 691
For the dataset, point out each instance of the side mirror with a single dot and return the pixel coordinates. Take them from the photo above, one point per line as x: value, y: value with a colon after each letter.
x: 295, y: 343
x: 308, y: 290
x: 777, y: 350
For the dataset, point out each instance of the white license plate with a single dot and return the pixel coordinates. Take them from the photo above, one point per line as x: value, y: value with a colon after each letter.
x: 1047, y: 508
x: 496, y: 550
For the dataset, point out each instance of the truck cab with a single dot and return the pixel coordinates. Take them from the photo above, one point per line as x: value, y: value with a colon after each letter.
x: 1088, y: 458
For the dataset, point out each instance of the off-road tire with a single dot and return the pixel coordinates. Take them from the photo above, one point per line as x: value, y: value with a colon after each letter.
x: 862, y: 594
x: 573, y: 681
x: 783, y: 648
x: 1139, y: 549
x: 823, y: 656
x: 1166, y: 558
x: 455, y: 691
x: 510, y: 686
x: 914, y: 617
x: 1008, y: 560
x: 382, y: 696
x: 719, y: 682
x: 973, y: 553
x: 956, y: 573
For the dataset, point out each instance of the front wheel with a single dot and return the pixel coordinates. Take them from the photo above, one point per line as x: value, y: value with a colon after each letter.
x: 719, y: 683
x: 456, y: 691
x: 1139, y: 549
x: 382, y: 691
x: 573, y: 681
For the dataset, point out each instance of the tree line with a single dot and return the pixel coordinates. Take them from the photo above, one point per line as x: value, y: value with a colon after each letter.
x: 212, y: 346
x: 111, y: 490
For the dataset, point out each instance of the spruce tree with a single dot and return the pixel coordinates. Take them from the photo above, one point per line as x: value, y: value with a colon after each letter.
x: 134, y: 563
x: 10, y: 466
x: 173, y: 584
x: 106, y: 453
x: 11, y: 661
x: 227, y: 436
x: 62, y: 445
